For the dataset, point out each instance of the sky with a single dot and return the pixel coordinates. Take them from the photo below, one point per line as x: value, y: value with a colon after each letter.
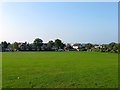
x: 72, y: 22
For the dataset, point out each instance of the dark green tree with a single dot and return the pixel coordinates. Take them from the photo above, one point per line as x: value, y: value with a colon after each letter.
x: 58, y: 44
x: 4, y: 45
x: 113, y: 47
x: 50, y: 45
x: 88, y: 46
x: 38, y: 43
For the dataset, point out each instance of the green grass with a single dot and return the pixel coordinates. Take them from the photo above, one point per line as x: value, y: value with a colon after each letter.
x: 60, y: 70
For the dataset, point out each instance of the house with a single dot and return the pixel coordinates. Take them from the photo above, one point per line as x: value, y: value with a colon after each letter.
x: 98, y: 46
x: 68, y: 47
x: 76, y: 46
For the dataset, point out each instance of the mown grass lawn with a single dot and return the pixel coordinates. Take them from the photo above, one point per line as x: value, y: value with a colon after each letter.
x: 60, y: 70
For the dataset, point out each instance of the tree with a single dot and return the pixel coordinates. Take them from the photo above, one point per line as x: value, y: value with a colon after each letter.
x: 29, y: 47
x: 119, y: 48
x: 38, y: 43
x: 62, y: 46
x: 0, y: 47
x: 58, y: 43
x: 4, y: 45
x: 50, y: 45
x: 88, y: 46
x: 10, y: 47
x: 15, y: 46
x: 113, y: 47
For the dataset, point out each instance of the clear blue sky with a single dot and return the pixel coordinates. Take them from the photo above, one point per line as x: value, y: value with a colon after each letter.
x: 71, y: 22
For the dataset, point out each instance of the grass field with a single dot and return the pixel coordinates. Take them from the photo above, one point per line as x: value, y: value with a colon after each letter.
x: 60, y: 70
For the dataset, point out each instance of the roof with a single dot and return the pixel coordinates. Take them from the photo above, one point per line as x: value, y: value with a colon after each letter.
x: 76, y: 44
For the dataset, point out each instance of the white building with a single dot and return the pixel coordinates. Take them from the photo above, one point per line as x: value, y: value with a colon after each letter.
x: 76, y: 46
x: 98, y: 46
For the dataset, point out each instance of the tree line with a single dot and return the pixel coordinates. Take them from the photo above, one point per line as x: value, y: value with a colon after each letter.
x: 37, y: 45
x: 58, y: 45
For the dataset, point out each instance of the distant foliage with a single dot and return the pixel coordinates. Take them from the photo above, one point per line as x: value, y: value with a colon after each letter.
x: 58, y: 45
x: 38, y: 43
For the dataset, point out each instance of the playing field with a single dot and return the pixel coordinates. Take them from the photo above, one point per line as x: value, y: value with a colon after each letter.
x: 60, y: 70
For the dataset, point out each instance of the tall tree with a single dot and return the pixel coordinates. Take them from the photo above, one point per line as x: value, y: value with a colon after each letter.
x: 4, y: 45
x: 58, y: 43
x: 50, y: 45
x: 38, y: 43
x: 88, y: 46
x: 111, y: 45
